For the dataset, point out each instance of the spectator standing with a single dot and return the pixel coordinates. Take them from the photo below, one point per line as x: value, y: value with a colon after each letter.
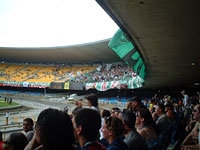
x: 92, y: 102
x: 7, y: 117
x: 185, y: 98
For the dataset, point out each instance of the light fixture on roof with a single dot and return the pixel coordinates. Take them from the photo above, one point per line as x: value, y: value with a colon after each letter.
x: 196, y: 83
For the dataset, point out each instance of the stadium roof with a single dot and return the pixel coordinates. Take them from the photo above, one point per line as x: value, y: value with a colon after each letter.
x: 84, y: 53
x: 167, y: 36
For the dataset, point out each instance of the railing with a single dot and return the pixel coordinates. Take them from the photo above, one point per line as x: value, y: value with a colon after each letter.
x: 10, y: 128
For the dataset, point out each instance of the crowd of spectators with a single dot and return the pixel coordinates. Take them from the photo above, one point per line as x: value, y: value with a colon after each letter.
x: 102, y: 73
x: 109, y: 72
x: 145, y: 124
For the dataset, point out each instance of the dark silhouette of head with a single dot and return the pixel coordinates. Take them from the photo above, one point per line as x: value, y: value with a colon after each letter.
x: 17, y: 141
x: 90, y: 122
x: 93, y: 99
x: 56, y: 129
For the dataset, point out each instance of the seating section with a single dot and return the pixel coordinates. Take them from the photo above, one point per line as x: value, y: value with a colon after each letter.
x: 42, y: 74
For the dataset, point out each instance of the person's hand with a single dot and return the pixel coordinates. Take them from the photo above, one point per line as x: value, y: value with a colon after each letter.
x: 33, y: 144
x: 188, y: 128
x: 154, y: 116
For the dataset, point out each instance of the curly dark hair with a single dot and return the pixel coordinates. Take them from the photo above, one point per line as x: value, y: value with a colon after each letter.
x: 116, y: 125
x: 56, y: 129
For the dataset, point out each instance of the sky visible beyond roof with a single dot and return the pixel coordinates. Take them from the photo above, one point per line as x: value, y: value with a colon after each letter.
x: 50, y: 23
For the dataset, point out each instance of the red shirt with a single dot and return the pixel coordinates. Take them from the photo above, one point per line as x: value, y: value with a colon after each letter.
x: 1, y: 145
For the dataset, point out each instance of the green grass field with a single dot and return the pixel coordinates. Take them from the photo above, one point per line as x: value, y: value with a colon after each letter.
x: 5, y: 104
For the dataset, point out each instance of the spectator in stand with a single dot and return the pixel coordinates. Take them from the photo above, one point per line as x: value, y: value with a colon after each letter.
x: 28, y: 128
x: 105, y: 114
x: 185, y: 98
x: 92, y: 102
x: 16, y: 141
x: 135, y: 103
x: 132, y: 138
x: 87, y: 123
x: 192, y: 141
x: 163, y: 122
x: 53, y: 130
x: 169, y: 109
x: 147, y: 128
x: 112, y: 131
x: 115, y: 112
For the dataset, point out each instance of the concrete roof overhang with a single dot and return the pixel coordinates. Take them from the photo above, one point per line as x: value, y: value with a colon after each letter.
x: 167, y: 35
x: 83, y: 53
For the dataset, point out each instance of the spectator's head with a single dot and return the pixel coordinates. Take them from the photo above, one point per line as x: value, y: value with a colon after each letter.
x: 16, y: 141
x: 144, y: 117
x: 112, y: 128
x: 169, y: 107
x: 135, y: 102
x: 128, y: 118
x: 92, y: 100
x: 28, y: 124
x: 196, y: 112
x: 105, y: 113
x: 160, y: 109
x: 115, y: 112
x: 87, y: 123
x: 54, y: 129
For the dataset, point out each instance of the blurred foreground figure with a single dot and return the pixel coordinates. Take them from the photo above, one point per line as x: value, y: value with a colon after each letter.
x: 53, y: 130
x: 16, y: 141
